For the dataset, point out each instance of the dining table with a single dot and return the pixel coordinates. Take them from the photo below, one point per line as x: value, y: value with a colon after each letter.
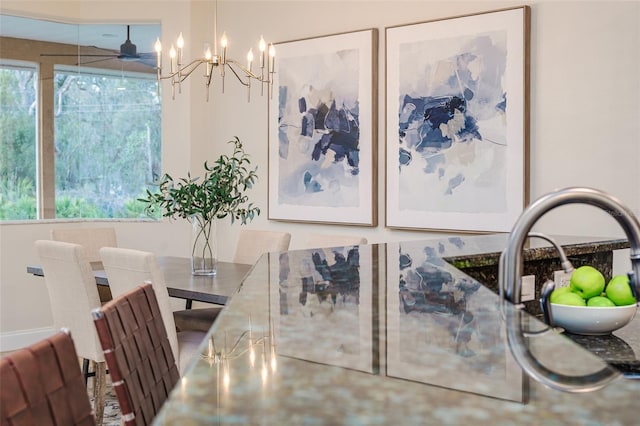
x: 181, y: 283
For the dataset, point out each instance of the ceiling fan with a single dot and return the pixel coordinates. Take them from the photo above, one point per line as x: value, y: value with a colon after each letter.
x: 128, y: 53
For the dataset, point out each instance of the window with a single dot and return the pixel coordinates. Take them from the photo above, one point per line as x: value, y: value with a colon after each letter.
x: 107, y: 142
x: 18, y: 139
x: 80, y: 129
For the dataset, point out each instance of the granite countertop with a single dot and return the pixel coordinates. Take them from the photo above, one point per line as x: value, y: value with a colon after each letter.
x: 486, y: 250
x: 338, y: 337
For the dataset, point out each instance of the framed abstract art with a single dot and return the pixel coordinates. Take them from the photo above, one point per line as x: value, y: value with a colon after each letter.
x: 457, y: 122
x: 322, y: 130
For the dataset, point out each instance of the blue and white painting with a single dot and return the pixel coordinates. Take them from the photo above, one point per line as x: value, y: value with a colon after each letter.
x: 451, y: 134
x: 320, y: 141
x: 319, y: 130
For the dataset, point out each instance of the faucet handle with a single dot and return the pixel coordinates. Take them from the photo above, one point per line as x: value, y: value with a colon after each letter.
x: 634, y: 285
x: 545, y: 302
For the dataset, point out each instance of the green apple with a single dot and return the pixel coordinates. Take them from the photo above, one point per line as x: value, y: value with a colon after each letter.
x: 600, y: 301
x: 557, y: 292
x: 587, y: 281
x: 619, y: 291
x: 570, y: 298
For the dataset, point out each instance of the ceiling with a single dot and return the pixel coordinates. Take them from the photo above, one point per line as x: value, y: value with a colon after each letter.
x: 106, y: 36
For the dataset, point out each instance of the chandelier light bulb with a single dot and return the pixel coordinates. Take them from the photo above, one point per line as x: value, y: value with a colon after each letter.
x: 158, y: 48
x: 172, y: 57
x: 272, y: 57
x: 223, y: 40
x: 252, y: 357
x: 226, y: 379
x: 262, y: 44
x: 207, y: 53
x: 180, y: 41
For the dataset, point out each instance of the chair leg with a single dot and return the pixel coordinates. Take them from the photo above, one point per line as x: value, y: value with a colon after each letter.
x: 99, y: 390
x: 85, y: 370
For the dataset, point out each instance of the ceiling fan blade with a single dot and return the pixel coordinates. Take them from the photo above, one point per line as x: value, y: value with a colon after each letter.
x: 95, y: 61
x: 80, y: 54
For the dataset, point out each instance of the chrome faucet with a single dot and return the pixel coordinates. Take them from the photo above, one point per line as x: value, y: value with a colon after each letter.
x: 511, y: 266
x: 511, y: 263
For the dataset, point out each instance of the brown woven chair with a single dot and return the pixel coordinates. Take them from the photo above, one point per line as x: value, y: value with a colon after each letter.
x: 138, y: 354
x: 43, y: 385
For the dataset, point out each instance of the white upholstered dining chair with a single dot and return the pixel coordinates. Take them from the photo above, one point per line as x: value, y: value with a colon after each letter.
x: 254, y: 243
x: 73, y: 294
x: 127, y: 269
x: 92, y: 239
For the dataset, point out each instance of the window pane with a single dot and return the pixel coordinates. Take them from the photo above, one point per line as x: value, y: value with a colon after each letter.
x: 107, y: 142
x: 18, y: 139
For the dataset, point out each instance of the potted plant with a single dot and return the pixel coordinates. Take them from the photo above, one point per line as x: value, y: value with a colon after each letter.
x: 220, y: 193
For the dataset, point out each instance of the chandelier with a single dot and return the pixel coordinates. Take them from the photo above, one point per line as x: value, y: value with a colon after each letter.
x: 218, y: 62
x: 262, y: 346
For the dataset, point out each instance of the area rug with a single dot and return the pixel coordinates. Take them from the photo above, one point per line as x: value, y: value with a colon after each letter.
x: 111, y: 408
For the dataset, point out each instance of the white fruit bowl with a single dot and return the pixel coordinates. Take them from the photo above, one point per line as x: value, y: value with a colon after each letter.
x: 592, y: 320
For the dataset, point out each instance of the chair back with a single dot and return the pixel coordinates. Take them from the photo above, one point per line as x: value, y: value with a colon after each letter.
x: 43, y: 385
x: 92, y: 239
x: 138, y: 353
x: 254, y: 243
x: 73, y: 293
x: 126, y: 269
x: 326, y: 240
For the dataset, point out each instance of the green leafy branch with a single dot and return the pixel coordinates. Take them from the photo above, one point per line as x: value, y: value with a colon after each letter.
x: 220, y: 192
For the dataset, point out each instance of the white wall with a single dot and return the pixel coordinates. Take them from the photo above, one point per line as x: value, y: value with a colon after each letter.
x: 585, y: 115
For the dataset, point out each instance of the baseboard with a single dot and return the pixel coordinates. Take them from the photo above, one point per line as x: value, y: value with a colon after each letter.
x: 14, y: 340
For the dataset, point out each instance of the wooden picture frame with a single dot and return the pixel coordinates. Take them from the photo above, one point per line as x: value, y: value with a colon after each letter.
x: 457, y: 114
x: 323, y: 130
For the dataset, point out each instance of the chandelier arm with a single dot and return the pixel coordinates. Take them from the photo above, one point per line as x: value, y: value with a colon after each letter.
x: 245, y: 70
x: 184, y: 71
x: 235, y: 352
x: 229, y: 64
x: 237, y: 343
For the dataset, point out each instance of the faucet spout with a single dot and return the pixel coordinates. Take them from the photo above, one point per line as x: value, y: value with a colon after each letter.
x: 511, y: 261
x: 511, y: 266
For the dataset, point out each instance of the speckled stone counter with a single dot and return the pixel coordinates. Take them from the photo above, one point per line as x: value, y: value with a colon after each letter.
x: 341, y: 336
x: 540, y: 259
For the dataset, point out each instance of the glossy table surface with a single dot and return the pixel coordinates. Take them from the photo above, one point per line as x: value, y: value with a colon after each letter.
x: 384, y: 334
x: 182, y: 284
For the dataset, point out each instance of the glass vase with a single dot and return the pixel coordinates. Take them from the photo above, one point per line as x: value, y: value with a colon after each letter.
x: 204, y: 257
